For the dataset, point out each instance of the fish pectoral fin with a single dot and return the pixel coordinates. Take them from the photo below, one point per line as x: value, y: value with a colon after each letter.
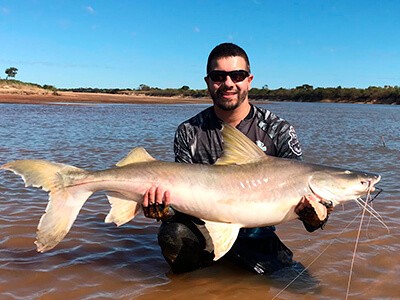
x: 223, y: 235
x: 122, y: 209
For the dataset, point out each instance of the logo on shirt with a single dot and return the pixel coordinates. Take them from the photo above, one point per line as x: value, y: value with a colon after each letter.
x: 294, y: 144
x: 261, y: 145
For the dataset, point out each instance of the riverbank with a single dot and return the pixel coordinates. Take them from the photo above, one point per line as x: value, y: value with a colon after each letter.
x: 85, y: 98
x: 18, y: 92
x: 13, y: 91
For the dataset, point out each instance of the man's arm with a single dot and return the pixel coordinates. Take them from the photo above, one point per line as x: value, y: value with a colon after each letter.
x: 182, y: 145
x: 157, y: 198
x: 288, y: 144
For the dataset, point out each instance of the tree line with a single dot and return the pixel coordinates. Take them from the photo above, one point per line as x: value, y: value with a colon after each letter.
x: 306, y: 93
x: 303, y: 93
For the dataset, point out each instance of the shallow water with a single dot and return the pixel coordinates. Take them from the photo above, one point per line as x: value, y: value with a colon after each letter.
x: 99, y: 261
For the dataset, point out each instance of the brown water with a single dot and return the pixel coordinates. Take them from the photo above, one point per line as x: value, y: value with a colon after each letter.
x: 99, y: 261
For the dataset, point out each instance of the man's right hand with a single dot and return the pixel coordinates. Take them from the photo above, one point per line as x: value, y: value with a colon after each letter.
x: 156, y: 195
x: 156, y: 202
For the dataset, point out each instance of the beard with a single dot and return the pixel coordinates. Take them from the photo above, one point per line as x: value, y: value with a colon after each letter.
x: 228, y: 104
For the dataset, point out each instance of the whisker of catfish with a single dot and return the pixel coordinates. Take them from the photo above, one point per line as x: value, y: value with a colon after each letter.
x: 379, y: 190
x: 372, y: 214
x: 364, y: 204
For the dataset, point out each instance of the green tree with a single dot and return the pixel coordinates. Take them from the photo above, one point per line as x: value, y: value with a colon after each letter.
x: 305, y: 87
x: 11, y: 72
x: 144, y: 87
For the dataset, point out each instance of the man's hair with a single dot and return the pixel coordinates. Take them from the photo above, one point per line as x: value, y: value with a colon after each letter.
x: 226, y: 50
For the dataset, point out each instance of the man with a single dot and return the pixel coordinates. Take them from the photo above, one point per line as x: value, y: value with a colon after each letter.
x: 183, y: 239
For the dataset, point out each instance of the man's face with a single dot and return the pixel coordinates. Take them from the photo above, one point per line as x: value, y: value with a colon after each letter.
x: 227, y: 94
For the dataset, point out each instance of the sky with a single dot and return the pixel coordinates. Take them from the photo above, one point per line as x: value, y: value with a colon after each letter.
x: 165, y: 44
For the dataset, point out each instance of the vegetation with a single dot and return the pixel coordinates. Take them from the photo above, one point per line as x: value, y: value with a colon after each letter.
x: 11, y: 72
x: 146, y: 90
x: 20, y: 85
x: 303, y: 93
x: 306, y: 93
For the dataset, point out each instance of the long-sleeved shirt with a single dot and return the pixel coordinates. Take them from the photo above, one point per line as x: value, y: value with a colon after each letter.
x: 199, y: 140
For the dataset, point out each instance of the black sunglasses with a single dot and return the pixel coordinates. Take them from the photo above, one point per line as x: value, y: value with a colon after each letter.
x: 236, y: 76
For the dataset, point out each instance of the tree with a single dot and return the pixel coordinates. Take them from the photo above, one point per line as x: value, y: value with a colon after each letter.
x: 144, y: 87
x: 11, y: 72
x: 305, y: 87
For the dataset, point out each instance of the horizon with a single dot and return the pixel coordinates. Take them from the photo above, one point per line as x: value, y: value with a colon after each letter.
x: 125, y: 44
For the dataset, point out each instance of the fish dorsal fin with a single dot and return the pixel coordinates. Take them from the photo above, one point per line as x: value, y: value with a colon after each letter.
x: 223, y: 235
x: 138, y: 154
x: 238, y: 148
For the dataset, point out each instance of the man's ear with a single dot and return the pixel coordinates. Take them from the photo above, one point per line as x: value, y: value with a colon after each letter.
x: 250, y: 80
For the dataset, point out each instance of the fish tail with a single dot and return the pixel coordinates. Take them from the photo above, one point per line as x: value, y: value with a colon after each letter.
x: 66, y: 197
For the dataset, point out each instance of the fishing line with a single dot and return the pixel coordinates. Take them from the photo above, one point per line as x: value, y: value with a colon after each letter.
x: 373, y: 213
x: 366, y: 207
x: 379, y: 190
x: 316, y: 258
x: 356, y: 243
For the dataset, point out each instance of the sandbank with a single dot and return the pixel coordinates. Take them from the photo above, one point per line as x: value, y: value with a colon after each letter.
x: 86, y: 98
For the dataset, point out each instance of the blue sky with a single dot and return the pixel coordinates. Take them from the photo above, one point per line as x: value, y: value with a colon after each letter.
x: 122, y: 44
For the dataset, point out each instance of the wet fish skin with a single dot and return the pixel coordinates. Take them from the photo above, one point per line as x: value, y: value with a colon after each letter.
x: 245, y: 188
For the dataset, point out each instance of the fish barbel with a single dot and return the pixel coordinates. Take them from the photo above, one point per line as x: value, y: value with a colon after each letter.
x: 244, y: 188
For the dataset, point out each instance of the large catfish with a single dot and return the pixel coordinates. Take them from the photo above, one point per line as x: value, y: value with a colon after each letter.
x: 244, y: 188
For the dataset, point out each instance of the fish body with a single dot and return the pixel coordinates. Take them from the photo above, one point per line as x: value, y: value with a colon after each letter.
x: 245, y: 188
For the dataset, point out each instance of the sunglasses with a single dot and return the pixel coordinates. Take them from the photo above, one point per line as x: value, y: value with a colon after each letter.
x: 236, y: 76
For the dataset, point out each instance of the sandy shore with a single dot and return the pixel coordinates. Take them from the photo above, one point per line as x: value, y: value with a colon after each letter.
x: 79, y: 98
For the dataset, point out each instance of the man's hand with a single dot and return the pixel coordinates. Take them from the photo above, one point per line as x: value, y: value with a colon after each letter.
x: 156, y: 202
x: 306, y: 212
x: 156, y: 195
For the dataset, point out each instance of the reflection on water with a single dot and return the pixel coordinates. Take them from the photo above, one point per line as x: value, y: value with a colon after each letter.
x: 98, y: 260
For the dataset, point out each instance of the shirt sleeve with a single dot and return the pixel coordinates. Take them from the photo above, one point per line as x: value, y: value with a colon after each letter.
x: 288, y: 145
x: 182, y: 146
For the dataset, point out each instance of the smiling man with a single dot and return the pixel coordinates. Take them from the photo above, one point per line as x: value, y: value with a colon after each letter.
x: 183, y: 239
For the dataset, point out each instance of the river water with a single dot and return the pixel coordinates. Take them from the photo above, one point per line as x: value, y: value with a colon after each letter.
x: 100, y: 261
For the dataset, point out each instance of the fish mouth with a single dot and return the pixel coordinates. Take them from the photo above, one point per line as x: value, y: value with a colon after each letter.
x: 370, y: 183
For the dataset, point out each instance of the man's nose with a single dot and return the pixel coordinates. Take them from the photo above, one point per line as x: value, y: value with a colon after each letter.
x: 228, y: 81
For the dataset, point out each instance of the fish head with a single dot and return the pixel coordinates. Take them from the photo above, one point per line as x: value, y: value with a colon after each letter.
x: 339, y: 186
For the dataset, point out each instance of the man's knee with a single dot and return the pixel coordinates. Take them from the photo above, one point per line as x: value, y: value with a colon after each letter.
x: 181, y: 247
